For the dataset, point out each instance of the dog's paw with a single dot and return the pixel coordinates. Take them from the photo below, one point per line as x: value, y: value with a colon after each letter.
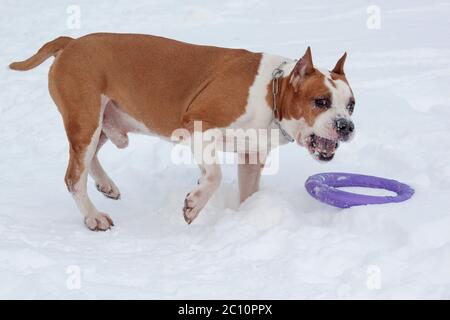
x: 109, y: 190
x: 193, y: 204
x: 99, y: 222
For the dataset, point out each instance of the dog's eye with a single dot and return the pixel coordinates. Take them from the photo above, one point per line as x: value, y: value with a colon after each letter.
x: 322, y: 103
x: 351, y: 106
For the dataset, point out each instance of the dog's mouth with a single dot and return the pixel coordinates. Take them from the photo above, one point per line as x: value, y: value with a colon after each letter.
x: 321, y: 148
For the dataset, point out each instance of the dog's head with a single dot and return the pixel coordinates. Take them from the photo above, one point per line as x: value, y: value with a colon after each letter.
x: 320, y: 104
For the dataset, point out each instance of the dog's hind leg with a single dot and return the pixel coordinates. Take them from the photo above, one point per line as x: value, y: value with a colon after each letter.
x: 83, y: 144
x: 82, y: 120
x: 78, y: 95
x: 103, y: 183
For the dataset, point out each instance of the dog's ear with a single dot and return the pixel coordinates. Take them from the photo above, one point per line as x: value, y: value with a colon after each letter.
x: 303, y: 68
x: 339, y: 67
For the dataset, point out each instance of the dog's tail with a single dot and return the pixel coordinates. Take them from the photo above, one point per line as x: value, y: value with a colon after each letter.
x: 49, y: 49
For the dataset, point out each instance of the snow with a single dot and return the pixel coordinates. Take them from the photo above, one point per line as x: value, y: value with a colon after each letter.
x: 281, y: 243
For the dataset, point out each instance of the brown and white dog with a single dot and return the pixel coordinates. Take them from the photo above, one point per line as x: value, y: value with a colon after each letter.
x: 106, y: 85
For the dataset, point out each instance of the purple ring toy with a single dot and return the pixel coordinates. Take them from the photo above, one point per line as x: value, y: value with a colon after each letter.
x: 324, y: 187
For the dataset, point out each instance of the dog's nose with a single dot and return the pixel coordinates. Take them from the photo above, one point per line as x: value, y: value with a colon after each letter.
x: 344, y: 127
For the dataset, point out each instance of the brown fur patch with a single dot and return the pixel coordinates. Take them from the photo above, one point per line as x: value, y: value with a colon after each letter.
x: 336, y: 76
x: 298, y: 104
x: 224, y: 98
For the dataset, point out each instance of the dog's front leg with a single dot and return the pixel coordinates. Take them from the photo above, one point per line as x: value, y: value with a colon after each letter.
x: 249, y: 174
x: 207, y: 184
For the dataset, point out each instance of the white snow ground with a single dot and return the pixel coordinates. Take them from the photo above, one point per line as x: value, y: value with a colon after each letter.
x: 281, y: 243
